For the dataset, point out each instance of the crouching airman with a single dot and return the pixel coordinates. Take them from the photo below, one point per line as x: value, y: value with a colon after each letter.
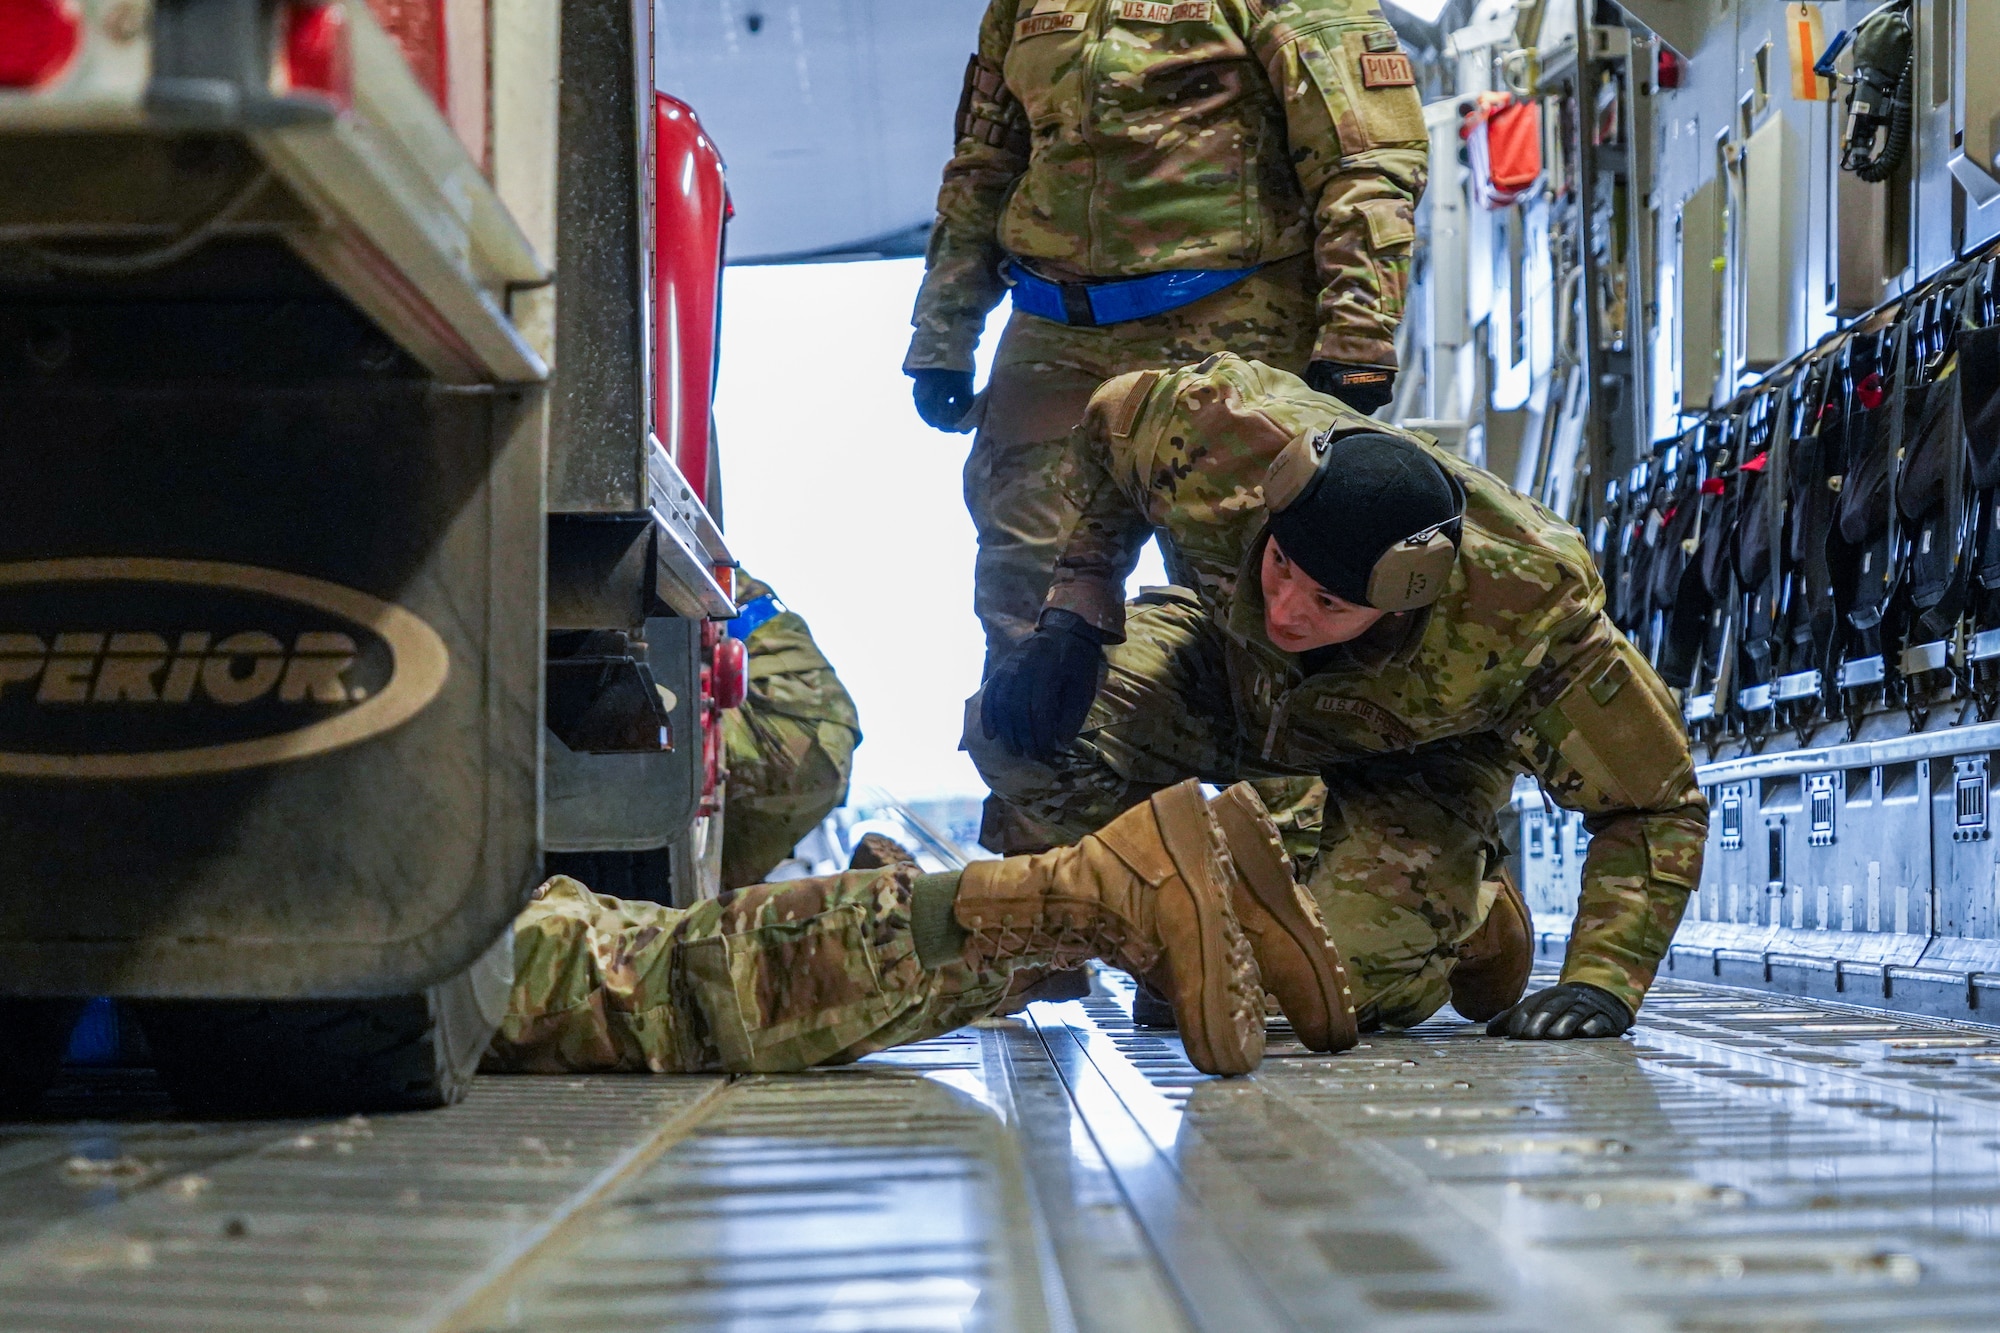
x: 1367, y: 608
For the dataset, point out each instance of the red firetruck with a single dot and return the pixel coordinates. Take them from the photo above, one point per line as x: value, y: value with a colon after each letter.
x: 355, y: 366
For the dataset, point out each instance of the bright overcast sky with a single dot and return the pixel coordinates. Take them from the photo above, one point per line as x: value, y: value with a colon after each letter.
x: 850, y: 507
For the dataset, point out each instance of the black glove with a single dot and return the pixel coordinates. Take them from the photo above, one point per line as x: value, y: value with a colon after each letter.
x: 943, y: 398
x: 1038, y: 696
x: 1557, y: 1013
x: 1366, y: 389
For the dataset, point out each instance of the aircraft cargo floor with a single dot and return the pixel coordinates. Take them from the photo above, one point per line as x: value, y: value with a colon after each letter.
x: 1743, y: 1163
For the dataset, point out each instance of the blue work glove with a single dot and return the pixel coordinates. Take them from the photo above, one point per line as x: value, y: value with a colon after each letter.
x: 1557, y: 1013
x: 943, y: 398
x: 1040, y: 693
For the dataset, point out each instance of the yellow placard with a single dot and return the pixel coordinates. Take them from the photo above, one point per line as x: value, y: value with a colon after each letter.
x: 1805, y: 38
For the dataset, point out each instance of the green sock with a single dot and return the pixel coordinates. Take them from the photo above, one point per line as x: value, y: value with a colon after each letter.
x: 938, y: 935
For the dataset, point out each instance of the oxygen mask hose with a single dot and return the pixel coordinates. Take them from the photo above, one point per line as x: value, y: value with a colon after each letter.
x: 1880, y: 104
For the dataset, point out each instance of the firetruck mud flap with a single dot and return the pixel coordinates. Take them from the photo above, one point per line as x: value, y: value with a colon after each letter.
x: 1743, y: 1162
x: 269, y: 660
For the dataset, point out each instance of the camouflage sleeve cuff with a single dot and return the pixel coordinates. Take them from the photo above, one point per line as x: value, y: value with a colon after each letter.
x: 1636, y: 879
x: 1608, y: 977
x: 1354, y: 349
x: 1098, y: 604
x: 938, y: 360
x: 934, y: 349
x: 961, y: 287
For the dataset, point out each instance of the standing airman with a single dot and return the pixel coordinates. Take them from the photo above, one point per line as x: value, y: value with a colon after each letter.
x: 1156, y: 180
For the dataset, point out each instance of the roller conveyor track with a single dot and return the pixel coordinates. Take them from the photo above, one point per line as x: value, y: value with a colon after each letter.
x: 1744, y: 1163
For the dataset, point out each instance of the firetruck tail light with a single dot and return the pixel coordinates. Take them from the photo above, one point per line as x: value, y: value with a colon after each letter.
x: 315, y: 59
x: 731, y: 681
x: 38, y: 39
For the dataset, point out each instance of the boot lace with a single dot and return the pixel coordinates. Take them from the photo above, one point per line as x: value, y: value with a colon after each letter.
x: 1065, y: 943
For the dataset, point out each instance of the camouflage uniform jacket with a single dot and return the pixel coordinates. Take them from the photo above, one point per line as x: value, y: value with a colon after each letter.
x: 790, y: 747
x: 1519, y: 644
x: 1113, y: 138
x: 789, y: 675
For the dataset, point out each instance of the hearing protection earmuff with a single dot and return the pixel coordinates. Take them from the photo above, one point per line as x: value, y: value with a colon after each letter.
x: 1412, y: 572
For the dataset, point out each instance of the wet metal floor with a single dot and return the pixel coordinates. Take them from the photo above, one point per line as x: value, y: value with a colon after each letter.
x: 1744, y: 1163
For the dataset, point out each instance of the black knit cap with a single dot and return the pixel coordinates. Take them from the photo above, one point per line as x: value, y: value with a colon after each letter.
x: 1370, y: 492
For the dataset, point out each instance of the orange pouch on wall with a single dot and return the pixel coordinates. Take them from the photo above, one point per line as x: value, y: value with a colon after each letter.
x: 1504, y: 139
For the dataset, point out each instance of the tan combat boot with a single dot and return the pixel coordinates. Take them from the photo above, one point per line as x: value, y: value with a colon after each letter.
x: 1298, y: 963
x: 1493, y: 964
x: 879, y: 851
x: 1149, y: 892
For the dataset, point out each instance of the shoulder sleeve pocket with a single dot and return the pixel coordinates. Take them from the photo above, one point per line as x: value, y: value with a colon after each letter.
x: 1126, y: 412
x: 1370, y: 104
x: 1391, y: 224
x: 1616, y: 730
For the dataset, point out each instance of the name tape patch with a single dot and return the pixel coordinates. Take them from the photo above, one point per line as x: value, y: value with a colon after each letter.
x: 1389, y: 69
x: 1039, y: 25
x: 1153, y: 11
x: 1372, y: 716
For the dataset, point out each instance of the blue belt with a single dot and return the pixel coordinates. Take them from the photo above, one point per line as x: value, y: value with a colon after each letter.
x: 1090, y: 304
x: 752, y: 614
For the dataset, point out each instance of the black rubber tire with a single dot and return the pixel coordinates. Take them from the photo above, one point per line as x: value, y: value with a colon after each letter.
x: 33, y: 1036
x: 310, y: 1057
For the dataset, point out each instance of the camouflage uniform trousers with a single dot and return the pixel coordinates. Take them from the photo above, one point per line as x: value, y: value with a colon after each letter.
x: 1405, y: 845
x: 1043, y: 376
x: 785, y: 774
x: 777, y: 977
